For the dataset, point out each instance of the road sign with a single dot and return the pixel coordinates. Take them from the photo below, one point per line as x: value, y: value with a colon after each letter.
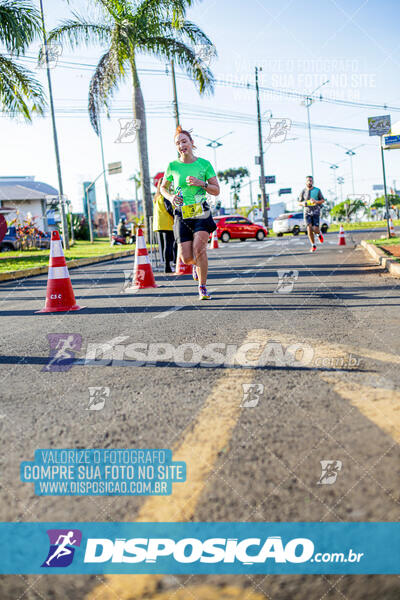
x: 391, y: 142
x: 114, y: 168
x: 377, y: 187
x: 257, y: 160
x: 379, y: 125
x: 269, y: 179
x: 284, y: 191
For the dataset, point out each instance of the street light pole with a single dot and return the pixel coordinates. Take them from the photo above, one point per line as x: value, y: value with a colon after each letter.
x: 55, y: 139
x: 308, y: 100
x: 351, y: 154
x: 261, y: 154
x: 105, y: 183
x: 334, y: 167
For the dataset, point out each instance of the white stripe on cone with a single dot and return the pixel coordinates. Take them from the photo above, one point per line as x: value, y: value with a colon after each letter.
x: 142, y: 260
x: 140, y: 242
x: 56, y: 249
x: 58, y: 273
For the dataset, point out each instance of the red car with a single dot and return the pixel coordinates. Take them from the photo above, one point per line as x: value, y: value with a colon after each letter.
x: 238, y: 227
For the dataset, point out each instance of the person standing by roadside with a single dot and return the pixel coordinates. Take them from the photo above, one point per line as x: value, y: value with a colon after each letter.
x: 311, y: 199
x: 191, y: 178
x: 163, y: 223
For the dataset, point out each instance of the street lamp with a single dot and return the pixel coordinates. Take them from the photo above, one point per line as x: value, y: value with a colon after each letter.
x: 214, y: 144
x: 350, y: 153
x: 340, y: 181
x: 308, y: 100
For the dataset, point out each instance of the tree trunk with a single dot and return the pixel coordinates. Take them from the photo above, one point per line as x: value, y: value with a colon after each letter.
x: 140, y: 115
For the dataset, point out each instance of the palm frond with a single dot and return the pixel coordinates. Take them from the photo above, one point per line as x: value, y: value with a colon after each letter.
x: 104, y: 82
x: 79, y: 31
x: 19, y: 24
x: 188, y: 30
x: 20, y: 92
x: 184, y: 56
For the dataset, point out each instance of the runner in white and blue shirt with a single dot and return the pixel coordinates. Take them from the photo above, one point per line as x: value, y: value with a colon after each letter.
x: 311, y: 199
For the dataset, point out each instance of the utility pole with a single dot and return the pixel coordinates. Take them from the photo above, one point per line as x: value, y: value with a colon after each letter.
x: 105, y: 183
x: 175, y: 101
x: 53, y: 120
x: 307, y: 103
x: 385, y: 190
x: 261, y: 154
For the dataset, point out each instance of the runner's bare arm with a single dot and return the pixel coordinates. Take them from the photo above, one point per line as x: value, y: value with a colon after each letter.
x: 164, y: 189
x: 212, y: 187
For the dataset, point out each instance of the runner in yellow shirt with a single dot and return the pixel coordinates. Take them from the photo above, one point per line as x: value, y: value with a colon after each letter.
x: 191, y: 178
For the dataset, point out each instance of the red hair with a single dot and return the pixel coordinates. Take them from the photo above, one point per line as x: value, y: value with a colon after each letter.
x: 180, y: 130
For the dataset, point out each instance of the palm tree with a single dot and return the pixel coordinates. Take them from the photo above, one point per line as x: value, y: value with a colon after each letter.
x: 130, y: 28
x: 20, y: 92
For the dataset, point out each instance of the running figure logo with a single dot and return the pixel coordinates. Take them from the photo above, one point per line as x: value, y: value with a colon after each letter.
x: 54, y: 51
x: 330, y: 470
x: 128, y: 129
x: 278, y: 130
x: 204, y: 53
x: 286, y: 281
x: 97, y: 397
x: 61, y: 551
x: 62, y: 351
x: 251, y: 394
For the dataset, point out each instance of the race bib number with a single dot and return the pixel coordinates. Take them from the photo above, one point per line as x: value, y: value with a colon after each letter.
x: 191, y: 211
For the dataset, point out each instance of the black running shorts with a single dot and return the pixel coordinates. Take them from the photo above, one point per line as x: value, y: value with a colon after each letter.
x: 184, y: 229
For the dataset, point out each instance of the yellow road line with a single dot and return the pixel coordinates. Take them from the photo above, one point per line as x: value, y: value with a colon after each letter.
x: 211, y: 432
x: 328, y: 349
x: 209, y: 592
x: 380, y: 406
x: 200, y: 449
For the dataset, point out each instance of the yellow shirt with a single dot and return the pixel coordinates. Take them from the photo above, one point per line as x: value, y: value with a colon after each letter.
x: 162, y: 220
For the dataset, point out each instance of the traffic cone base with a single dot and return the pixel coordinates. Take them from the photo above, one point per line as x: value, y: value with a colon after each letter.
x: 143, y: 276
x: 59, y: 294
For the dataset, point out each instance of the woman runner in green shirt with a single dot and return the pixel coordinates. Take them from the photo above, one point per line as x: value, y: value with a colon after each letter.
x: 191, y: 177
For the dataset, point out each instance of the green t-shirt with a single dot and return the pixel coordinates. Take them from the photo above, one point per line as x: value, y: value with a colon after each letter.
x: 177, y: 172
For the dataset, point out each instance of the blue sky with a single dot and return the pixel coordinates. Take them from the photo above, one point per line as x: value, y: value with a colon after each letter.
x: 352, y: 43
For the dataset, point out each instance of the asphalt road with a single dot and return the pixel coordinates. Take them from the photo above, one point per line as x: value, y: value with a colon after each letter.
x: 326, y: 389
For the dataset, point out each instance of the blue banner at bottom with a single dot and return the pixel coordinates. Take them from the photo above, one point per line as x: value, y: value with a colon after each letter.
x: 200, y: 548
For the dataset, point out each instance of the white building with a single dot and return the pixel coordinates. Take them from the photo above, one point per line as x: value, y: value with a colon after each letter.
x: 25, y: 196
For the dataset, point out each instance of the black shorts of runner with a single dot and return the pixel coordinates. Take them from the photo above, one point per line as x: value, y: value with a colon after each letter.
x: 184, y: 229
x: 312, y: 219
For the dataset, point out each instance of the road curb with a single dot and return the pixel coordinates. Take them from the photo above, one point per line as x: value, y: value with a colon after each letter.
x: 382, y: 258
x: 71, y: 264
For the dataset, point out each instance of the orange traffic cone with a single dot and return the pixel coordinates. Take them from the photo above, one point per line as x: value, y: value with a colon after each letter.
x: 342, y: 239
x: 391, y: 227
x: 214, y: 240
x: 182, y: 269
x: 60, y: 295
x: 142, y: 272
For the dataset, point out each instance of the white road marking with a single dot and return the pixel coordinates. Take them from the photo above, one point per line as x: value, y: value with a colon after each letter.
x: 167, y: 312
x: 231, y: 280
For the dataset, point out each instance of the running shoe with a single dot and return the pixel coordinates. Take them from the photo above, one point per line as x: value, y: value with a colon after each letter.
x: 203, y: 294
x: 313, y: 248
x: 194, y: 273
x: 321, y: 238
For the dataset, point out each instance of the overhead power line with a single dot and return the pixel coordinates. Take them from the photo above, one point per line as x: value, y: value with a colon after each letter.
x: 289, y: 93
